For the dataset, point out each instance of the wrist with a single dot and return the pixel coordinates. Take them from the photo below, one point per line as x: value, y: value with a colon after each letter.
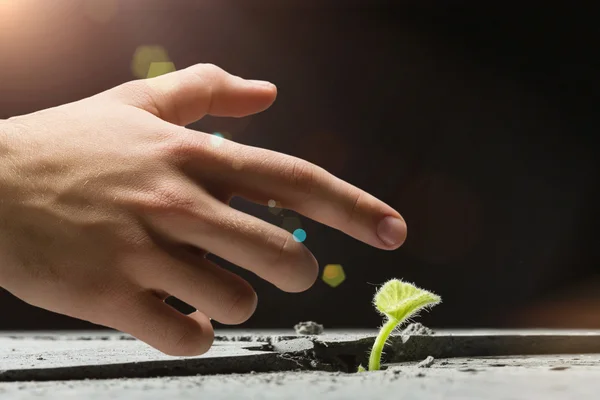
x: 6, y: 133
x: 7, y: 151
x: 5, y: 187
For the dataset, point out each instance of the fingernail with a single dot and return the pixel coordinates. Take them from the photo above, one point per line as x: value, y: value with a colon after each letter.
x: 261, y: 83
x: 391, y: 231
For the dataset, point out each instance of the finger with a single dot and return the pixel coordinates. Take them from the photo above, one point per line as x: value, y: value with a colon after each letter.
x: 216, y: 292
x: 146, y: 317
x: 262, y: 175
x: 253, y: 244
x: 186, y: 96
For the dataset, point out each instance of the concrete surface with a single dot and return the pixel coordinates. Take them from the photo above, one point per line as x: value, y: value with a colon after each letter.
x: 531, y: 378
x: 462, y: 364
x: 93, y: 355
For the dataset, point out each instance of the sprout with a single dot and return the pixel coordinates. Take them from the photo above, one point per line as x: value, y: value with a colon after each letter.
x: 397, y: 301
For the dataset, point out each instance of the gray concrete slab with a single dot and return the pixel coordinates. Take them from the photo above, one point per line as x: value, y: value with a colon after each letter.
x: 493, y: 378
x: 117, y: 356
x: 112, y: 355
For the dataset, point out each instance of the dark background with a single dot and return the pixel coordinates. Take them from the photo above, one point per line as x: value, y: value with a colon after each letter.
x: 477, y: 124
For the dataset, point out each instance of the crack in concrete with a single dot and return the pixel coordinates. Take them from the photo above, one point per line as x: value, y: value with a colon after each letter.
x: 100, y: 358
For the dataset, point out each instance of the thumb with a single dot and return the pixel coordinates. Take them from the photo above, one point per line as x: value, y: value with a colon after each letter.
x: 185, y: 96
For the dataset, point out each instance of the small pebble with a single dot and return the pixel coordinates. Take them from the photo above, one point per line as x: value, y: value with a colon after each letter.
x: 308, y: 328
x: 426, y: 363
x: 417, y: 328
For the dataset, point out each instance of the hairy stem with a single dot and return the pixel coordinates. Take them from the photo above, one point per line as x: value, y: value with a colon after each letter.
x: 384, y: 333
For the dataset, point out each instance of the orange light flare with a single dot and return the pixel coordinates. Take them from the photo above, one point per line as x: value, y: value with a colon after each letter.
x: 19, y: 30
x: 25, y: 15
x: 36, y: 37
x: 11, y: 11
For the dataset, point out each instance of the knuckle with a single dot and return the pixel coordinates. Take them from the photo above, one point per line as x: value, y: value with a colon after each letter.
x: 295, y: 268
x: 210, y: 77
x: 207, y: 71
x: 282, y: 251
x: 136, y: 92
x: 285, y: 256
x: 352, y: 213
x: 302, y: 174
x: 167, y: 198
x: 181, y: 148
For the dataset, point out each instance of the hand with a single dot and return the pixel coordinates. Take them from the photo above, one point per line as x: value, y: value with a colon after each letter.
x: 109, y: 205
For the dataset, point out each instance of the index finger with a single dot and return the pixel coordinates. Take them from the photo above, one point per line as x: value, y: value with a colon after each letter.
x: 261, y: 175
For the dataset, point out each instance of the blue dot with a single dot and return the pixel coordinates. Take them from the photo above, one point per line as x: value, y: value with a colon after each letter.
x: 218, y: 134
x: 299, y: 235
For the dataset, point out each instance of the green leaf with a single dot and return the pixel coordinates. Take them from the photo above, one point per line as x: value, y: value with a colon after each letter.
x: 399, y: 300
x: 361, y: 369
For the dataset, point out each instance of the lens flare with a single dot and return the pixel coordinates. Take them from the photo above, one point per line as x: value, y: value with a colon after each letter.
x: 333, y: 275
x: 217, y: 139
x: 160, y: 68
x: 299, y: 235
x: 144, y: 57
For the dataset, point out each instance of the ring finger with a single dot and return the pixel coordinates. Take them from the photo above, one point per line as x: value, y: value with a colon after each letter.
x: 216, y: 292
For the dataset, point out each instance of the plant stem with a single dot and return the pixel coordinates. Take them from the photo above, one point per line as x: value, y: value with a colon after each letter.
x: 384, y: 333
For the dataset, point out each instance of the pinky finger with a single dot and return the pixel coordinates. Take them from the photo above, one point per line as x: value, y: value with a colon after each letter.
x: 161, y: 326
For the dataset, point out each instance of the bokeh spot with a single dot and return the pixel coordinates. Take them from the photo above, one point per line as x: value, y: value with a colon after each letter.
x: 223, y: 134
x: 333, y: 275
x: 274, y: 207
x: 160, y: 68
x: 217, y: 139
x: 300, y: 235
x: 144, y: 56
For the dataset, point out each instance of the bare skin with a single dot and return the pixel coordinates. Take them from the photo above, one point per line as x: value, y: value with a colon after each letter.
x: 109, y: 205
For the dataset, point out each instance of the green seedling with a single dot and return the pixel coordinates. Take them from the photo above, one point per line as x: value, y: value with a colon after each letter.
x: 396, y: 301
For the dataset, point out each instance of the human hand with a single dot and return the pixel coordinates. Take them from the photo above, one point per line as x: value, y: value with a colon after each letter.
x: 109, y: 205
